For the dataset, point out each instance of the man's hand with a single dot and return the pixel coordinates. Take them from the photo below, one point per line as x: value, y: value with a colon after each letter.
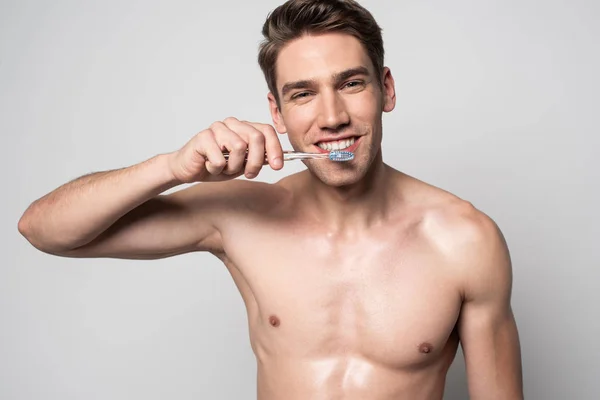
x: 202, y: 159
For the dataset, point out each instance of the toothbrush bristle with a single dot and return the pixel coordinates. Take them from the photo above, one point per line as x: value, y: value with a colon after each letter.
x: 339, y: 155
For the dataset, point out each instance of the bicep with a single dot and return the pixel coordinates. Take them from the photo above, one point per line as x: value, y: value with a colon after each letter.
x: 490, y: 344
x: 164, y: 226
x: 487, y: 327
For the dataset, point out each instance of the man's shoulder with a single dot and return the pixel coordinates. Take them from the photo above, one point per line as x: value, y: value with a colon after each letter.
x: 457, y: 218
x: 457, y: 229
x: 466, y: 241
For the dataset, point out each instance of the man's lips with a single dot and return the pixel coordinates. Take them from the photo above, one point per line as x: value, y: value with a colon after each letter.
x: 351, y: 148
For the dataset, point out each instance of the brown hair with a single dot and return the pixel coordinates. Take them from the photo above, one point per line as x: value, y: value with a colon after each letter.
x: 296, y: 18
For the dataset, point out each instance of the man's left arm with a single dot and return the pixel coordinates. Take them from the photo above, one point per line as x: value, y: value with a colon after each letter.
x: 487, y: 327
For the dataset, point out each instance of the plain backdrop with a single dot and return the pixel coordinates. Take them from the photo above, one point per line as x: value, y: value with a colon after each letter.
x: 497, y: 102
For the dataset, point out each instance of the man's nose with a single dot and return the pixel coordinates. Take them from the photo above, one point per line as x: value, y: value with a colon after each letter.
x: 332, y: 113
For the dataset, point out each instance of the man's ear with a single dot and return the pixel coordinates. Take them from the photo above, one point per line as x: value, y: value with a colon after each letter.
x: 389, y: 90
x: 276, y: 114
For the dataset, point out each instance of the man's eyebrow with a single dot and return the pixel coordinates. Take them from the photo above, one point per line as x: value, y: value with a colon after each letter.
x: 337, y: 78
x: 296, y: 85
x: 349, y: 73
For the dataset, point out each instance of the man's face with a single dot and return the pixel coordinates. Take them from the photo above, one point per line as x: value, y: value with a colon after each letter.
x: 330, y: 99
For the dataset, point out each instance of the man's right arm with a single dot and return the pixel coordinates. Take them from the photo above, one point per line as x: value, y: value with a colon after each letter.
x: 122, y: 213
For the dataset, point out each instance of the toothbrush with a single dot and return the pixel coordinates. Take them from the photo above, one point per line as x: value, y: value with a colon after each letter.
x: 288, y: 155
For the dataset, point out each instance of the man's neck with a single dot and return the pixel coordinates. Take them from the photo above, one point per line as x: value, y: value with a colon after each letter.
x: 354, y: 207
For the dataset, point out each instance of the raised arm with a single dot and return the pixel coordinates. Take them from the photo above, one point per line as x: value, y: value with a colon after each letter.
x: 487, y: 327
x: 123, y: 213
x: 117, y: 214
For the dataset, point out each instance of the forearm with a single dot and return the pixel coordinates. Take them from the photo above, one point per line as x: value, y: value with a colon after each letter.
x: 77, y: 212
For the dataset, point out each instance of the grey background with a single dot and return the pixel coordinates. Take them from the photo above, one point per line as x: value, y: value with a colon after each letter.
x: 497, y: 102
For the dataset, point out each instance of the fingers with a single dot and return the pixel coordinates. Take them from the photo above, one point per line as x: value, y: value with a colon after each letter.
x: 256, y: 152
x: 246, y: 142
x: 236, y: 145
x: 272, y: 145
x: 259, y: 140
x: 255, y: 142
x: 210, y: 150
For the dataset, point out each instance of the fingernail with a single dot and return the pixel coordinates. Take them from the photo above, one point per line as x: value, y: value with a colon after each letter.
x: 250, y: 175
x: 277, y: 162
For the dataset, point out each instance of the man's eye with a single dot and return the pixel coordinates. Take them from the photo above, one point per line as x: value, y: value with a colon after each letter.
x: 352, y: 84
x: 300, y: 95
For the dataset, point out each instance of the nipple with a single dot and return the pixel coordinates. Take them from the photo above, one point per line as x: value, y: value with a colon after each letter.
x: 425, y: 348
x: 274, y: 321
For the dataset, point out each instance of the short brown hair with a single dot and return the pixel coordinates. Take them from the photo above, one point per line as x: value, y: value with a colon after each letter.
x: 296, y: 18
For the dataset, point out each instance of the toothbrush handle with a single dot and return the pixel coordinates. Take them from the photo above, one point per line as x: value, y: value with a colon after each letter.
x: 226, y: 155
x: 287, y: 156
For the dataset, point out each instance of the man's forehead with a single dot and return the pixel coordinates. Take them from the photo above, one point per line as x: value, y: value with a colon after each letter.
x: 320, y: 57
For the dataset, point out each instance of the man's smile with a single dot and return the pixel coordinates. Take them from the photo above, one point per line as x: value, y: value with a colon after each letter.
x: 348, y: 144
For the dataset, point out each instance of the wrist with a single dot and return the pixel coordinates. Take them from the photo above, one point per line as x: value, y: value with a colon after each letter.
x: 164, y: 164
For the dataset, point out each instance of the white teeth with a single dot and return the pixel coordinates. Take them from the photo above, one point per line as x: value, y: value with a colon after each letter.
x: 336, y: 144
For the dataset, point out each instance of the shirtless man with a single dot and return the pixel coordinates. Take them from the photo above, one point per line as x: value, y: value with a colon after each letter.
x: 359, y: 280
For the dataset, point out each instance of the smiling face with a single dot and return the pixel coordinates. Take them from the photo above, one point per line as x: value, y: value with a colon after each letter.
x: 331, y: 99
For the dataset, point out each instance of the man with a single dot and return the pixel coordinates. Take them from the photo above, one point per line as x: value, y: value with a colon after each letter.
x: 359, y: 280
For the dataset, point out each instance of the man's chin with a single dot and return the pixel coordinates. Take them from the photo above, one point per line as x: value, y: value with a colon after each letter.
x: 338, y: 179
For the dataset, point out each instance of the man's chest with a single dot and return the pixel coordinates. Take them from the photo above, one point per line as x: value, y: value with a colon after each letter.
x: 386, y: 299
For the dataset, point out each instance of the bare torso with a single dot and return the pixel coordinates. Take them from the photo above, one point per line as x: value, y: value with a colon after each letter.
x: 338, y: 315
